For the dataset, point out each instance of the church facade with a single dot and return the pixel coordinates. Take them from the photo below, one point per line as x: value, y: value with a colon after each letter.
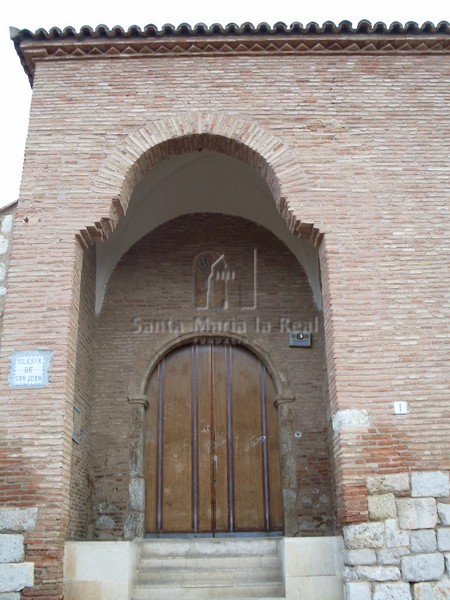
x: 226, y: 306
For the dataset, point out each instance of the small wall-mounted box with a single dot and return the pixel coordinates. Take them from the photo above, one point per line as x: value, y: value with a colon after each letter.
x: 299, y: 339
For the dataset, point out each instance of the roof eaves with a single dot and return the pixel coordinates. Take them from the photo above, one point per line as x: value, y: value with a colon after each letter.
x: 168, y: 32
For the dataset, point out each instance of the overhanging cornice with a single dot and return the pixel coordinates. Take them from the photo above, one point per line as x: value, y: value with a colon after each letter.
x: 105, y: 43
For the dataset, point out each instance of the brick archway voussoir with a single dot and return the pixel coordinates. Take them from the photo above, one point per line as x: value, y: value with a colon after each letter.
x: 235, y: 136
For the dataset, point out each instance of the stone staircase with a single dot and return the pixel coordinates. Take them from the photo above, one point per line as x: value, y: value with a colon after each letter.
x: 196, y: 569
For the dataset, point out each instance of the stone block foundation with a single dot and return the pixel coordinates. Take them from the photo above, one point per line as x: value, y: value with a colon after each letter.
x: 15, y: 573
x: 99, y: 570
x: 402, y: 553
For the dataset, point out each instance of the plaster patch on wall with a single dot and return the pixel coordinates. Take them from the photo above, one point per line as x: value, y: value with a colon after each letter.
x: 7, y: 223
x: 350, y: 419
x: 4, y: 243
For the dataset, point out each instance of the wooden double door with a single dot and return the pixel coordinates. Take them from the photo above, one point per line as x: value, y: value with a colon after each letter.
x: 212, y: 455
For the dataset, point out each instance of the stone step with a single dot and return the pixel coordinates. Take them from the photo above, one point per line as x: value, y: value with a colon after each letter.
x: 206, y: 569
x: 204, y: 576
x: 253, y: 561
x: 265, y: 592
x: 209, y: 546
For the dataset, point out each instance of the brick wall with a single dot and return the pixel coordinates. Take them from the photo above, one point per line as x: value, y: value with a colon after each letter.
x: 372, y: 136
x: 80, y: 476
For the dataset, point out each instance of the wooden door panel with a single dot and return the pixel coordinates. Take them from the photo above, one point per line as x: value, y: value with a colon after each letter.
x: 177, y: 442
x: 247, y: 442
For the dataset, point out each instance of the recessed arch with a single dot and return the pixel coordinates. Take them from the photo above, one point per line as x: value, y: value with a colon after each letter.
x: 141, y: 352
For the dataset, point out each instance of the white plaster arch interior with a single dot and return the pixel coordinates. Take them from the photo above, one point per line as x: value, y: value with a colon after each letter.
x: 200, y: 182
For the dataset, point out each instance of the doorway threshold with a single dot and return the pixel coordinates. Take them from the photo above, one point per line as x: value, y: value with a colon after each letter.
x: 231, y: 534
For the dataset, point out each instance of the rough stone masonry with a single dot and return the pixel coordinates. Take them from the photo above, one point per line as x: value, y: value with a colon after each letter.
x: 15, y: 573
x: 403, y: 551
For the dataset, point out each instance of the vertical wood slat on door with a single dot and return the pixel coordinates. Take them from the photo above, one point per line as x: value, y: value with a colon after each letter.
x: 265, y: 456
x: 219, y: 456
x: 195, y: 448
x: 205, y: 439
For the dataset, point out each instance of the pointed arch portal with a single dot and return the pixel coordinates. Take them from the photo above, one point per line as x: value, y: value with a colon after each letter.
x: 278, y: 164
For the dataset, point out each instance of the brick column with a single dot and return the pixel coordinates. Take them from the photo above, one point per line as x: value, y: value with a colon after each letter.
x: 41, y: 313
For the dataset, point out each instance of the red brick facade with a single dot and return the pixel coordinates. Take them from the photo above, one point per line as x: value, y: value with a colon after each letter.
x: 354, y: 149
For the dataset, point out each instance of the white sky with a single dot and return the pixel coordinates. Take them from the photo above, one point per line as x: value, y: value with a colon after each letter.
x: 32, y: 14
